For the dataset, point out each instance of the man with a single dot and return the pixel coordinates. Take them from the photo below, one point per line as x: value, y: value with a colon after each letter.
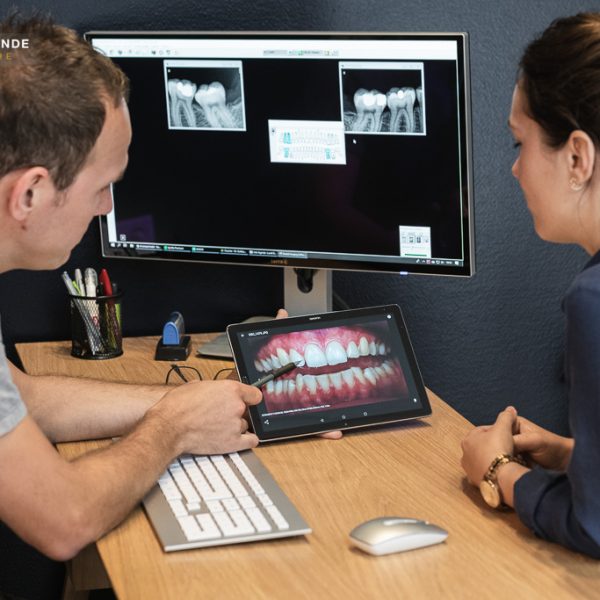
x: 64, y: 136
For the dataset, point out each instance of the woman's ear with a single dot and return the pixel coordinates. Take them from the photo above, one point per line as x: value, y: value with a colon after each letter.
x: 581, y: 154
x: 28, y: 191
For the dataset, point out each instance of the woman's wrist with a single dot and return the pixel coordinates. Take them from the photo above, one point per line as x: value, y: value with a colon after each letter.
x: 507, y: 475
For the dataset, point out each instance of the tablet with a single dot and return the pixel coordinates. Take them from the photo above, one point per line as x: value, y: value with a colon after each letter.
x: 354, y: 368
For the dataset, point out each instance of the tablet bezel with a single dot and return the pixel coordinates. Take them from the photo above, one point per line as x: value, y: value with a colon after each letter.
x: 332, y: 319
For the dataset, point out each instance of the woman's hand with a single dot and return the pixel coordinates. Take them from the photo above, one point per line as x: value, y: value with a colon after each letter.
x: 485, y: 443
x: 541, y: 446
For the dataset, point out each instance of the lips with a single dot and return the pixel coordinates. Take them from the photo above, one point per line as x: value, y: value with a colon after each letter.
x: 336, y: 365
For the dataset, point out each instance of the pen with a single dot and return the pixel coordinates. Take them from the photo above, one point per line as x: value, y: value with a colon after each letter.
x: 274, y: 375
x: 91, y: 282
x: 105, y: 281
x: 79, y: 281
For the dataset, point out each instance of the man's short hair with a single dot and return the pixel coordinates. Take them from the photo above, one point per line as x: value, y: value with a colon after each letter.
x: 53, y: 97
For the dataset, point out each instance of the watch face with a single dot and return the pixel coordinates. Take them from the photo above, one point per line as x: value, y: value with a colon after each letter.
x: 490, y: 493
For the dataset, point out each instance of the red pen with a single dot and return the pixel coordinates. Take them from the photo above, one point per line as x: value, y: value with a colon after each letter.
x: 105, y: 280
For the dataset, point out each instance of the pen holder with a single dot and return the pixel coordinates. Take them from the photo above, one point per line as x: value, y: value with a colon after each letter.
x: 96, y: 331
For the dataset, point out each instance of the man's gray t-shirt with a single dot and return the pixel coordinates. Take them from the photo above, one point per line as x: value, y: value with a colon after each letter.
x: 12, y: 409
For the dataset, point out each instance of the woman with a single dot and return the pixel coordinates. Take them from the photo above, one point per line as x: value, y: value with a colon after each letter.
x: 555, y: 120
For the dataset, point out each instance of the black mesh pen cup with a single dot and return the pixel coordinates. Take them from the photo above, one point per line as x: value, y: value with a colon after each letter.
x: 96, y: 331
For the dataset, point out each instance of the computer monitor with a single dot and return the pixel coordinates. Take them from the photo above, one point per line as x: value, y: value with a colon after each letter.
x: 311, y: 151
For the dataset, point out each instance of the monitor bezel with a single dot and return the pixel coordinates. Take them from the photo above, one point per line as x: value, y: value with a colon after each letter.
x: 466, y: 167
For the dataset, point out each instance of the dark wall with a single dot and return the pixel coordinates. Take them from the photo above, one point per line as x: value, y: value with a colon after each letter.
x: 483, y: 342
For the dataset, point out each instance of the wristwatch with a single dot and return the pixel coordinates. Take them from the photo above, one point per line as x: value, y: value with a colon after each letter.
x: 489, y: 488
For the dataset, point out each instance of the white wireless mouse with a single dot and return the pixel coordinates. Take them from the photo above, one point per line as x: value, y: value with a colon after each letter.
x: 385, y: 535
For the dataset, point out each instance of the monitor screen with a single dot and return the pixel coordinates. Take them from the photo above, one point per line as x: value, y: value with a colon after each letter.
x: 324, y: 151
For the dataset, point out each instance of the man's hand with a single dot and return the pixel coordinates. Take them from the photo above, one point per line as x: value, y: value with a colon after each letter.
x: 543, y: 447
x: 208, y: 417
x: 484, y: 443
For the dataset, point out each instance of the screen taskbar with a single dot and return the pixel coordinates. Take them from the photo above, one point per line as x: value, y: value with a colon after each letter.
x: 277, y: 255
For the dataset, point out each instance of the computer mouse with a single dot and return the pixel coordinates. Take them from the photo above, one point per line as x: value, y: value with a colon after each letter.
x: 385, y: 535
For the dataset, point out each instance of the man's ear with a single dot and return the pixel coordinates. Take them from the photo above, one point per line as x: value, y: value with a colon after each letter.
x: 581, y: 154
x: 29, y: 190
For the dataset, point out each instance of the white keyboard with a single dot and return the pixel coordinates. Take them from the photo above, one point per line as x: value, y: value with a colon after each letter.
x: 223, y: 499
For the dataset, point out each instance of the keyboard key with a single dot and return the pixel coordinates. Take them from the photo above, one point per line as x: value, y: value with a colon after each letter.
x: 178, y: 508
x: 258, y: 520
x: 214, y: 506
x: 208, y: 526
x: 264, y: 499
x: 247, y: 502
x: 190, y: 528
x: 276, y: 515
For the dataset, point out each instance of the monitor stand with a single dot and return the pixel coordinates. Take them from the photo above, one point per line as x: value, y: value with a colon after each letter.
x: 305, y: 291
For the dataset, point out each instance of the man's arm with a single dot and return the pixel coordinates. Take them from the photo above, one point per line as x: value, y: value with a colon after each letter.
x: 59, y: 507
x: 70, y: 409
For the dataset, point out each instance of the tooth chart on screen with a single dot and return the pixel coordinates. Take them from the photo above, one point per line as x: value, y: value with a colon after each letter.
x: 204, y: 103
x: 336, y: 366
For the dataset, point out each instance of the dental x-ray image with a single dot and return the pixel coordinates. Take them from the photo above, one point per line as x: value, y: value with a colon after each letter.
x: 205, y: 98
x: 383, y: 101
x: 335, y: 367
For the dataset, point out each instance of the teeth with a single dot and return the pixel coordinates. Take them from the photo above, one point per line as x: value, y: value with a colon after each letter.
x: 270, y: 387
x: 258, y: 366
x: 336, y: 379
x: 335, y: 353
x: 278, y: 386
x: 275, y: 362
x: 352, y: 350
x: 323, y: 381
x: 419, y: 110
x: 291, y: 386
x: 311, y: 383
x: 387, y: 368
x: 212, y: 98
x: 369, y: 108
x: 314, y: 356
x: 401, y: 103
x: 381, y: 349
x: 299, y: 382
x: 283, y: 357
x: 380, y: 372
x: 348, y: 377
x: 372, y: 349
x: 297, y: 358
x: 265, y: 362
x: 182, y: 94
x: 358, y: 373
x: 363, y: 346
x: 370, y: 376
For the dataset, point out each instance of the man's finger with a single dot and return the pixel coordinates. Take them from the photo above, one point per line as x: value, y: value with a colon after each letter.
x: 507, y: 418
x: 332, y: 435
x: 251, y: 395
x: 248, y: 440
x: 282, y: 314
x: 526, y: 442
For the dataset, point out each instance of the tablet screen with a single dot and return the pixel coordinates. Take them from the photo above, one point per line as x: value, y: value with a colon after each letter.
x: 353, y: 368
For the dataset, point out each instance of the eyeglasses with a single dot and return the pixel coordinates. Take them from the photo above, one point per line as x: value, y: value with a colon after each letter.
x: 186, y: 373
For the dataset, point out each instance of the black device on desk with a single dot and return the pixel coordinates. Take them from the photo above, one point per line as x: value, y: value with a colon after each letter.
x: 350, y: 369
x: 174, y: 344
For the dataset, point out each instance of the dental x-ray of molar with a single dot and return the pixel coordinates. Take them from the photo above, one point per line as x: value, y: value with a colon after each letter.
x: 205, y: 105
x: 336, y: 366
x: 398, y: 111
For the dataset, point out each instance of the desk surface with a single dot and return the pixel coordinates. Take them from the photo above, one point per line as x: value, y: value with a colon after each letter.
x: 410, y: 469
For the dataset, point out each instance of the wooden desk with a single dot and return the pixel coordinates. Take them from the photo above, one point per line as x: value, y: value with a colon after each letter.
x: 407, y: 470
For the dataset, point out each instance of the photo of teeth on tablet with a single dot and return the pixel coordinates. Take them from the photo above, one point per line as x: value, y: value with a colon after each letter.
x: 335, y: 366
